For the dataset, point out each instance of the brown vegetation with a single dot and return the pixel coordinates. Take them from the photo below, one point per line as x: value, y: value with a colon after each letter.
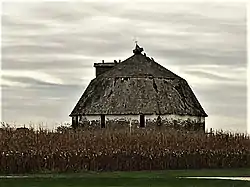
x: 24, y: 150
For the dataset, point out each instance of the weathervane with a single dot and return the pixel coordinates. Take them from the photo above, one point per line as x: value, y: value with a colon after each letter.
x: 135, y: 40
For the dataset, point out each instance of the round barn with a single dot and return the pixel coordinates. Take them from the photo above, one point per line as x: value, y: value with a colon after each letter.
x: 138, y: 92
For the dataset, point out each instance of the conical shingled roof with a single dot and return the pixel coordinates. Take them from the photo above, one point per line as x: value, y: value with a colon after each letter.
x: 138, y: 85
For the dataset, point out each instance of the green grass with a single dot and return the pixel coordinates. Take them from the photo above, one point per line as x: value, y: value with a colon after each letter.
x: 144, y: 178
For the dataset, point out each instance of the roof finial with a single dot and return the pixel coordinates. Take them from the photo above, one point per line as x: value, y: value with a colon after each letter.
x: 137, y: 49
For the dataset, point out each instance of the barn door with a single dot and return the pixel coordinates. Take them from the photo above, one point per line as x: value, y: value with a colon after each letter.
x: 142, y: 120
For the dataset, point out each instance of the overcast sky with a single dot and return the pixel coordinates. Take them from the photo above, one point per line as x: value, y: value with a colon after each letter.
x: 48, y: 51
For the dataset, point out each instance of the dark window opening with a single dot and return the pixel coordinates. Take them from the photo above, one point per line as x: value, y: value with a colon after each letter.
x: 155, y: 86
x: 102, y: 121
x: 142, y: 121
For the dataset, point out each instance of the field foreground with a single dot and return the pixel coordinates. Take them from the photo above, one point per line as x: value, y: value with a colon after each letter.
x: 167, y: 178
x: 28, y: 151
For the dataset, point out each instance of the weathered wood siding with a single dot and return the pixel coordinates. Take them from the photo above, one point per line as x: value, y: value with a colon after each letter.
x: 133, y: 121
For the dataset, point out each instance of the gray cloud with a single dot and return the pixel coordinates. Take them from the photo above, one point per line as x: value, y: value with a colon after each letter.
x: 44, y: 102
x: 60, y: 41
x: 211, y: 76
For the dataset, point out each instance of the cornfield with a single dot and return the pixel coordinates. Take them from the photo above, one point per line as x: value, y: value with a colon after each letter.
x: 30, y: 151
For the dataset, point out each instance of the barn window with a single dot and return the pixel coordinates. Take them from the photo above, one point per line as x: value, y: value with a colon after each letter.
x: 142, y: 120
x: 102, y: 121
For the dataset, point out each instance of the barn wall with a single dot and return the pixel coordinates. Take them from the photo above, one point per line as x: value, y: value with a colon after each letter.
x: 119, y: 121
x: 124, y: 117
x: 110, y: 118
x: 90, y: 118
x: 176, y: 117
x: 177, y: 121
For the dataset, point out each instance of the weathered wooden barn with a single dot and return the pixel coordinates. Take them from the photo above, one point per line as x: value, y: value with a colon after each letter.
x: 138, y: 92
